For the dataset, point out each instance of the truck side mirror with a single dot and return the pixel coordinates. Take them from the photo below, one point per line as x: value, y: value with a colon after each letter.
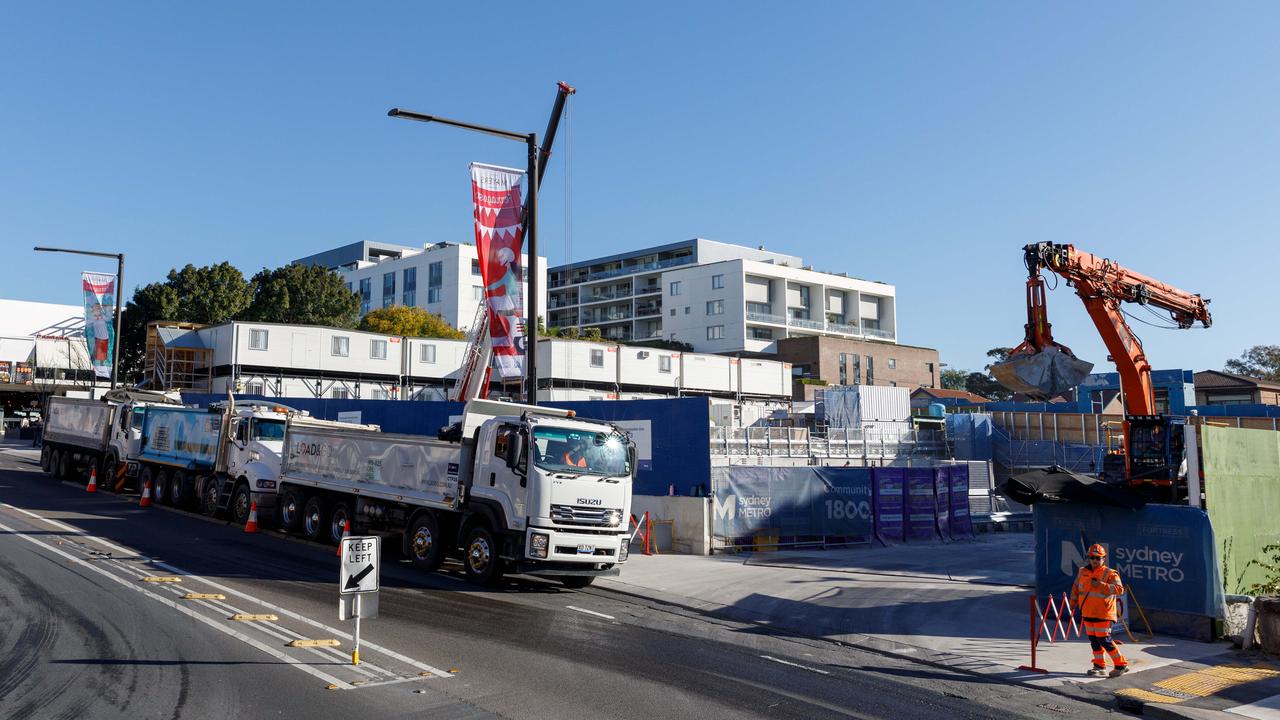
x: 631, y: 458
x: 515, y: 451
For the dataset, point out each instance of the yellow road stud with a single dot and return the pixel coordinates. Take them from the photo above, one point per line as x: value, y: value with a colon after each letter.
x: 318, y: 642
x: 162, y: 579
x: 204, y: 596
x: 244, y: 617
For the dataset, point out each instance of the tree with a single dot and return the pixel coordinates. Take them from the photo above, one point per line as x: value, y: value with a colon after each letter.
x: 302, y: 295
x: 409, y: 322
x: 997, y: 355
x: 986, y: 386
x: 212, y: 294
x: 1259, y: 361
x: 954, y: 379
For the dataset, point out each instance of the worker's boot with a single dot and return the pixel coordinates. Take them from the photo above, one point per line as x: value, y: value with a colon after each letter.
x: 1096, y: 671
x: 1118, y: 671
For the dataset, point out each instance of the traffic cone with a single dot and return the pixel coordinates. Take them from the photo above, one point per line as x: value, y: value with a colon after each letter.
x: 252, y: 525
x: 346, y: 531
x: 146, y: 495
x: 93, y: 481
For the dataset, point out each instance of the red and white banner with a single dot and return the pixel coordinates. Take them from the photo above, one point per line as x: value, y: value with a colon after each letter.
x: 499, y: 240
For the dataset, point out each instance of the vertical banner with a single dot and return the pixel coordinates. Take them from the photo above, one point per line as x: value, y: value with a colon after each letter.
x: 921, y: 523
x: 99, y: 320
x: 961, y: 521
x: 887, y: 499
x: 496, y: 193
x: 942, y: 501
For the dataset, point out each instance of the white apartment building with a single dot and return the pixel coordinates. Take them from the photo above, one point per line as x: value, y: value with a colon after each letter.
x: 443, y: 278
x: 277, y: 360
x: 718, y: 297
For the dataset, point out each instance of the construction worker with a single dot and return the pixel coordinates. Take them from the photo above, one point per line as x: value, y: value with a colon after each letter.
x: 1095, y: 595
x: 576, y: 456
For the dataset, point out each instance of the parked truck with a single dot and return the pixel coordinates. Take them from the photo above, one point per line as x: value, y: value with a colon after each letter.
x: 510, y: 487
x: 105, y: 434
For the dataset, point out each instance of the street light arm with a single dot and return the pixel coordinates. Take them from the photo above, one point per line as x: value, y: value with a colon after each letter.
x: 79, y: 252
x: 420, y: 117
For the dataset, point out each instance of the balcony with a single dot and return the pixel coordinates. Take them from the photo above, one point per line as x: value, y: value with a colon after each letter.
x: 806, y: 324
x: 606, y: 296
x: 877, y: 333
x: 596, y: 318
x: 842, y: 328
x: 649, y: 309
x: 766, y: 318
x: 628, y: 270
x: 648, y: 290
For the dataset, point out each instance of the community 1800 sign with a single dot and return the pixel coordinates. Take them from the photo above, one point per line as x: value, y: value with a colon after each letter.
x: 793, y: 501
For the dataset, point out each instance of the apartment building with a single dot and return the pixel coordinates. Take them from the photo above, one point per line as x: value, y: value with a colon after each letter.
x: 443, y: 278
x: 717, y: 297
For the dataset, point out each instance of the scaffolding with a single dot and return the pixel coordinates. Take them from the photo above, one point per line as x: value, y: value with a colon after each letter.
x: 176, y: 358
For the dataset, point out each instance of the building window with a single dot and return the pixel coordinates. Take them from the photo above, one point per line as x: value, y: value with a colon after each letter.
x: 378, y: 349
x: 675, y: 288
x: 366, y: 295
x: 871, y: 370
x: 253, y: 388
x: 257, y: 339
x: 758, y: 333
x: 427, y: 353
x: 378, y: 394
x: 477, y: 292
x: 715, y: 307
x: 673, y: 312
x: 340, y: 394
x: 388, y: 289
x: 410, y: 286
x: 475, y: 268
x: 664, y: 363
x: 893, y: 363
x: 686, y: 309
x: 760, y: 308
x: 715, y: 332
x: 435, y: 281
x: 844, y: 369
x: 340, y: 346
x: 597, y: 358
x: 804, y: 295
x: 855, y: 369
x: 717, y: 282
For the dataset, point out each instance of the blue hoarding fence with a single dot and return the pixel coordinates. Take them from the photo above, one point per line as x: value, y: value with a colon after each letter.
x: 766, y: 506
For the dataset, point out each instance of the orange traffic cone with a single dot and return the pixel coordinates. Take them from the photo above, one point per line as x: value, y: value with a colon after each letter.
x: 93, y: 481
x: 346, y: 531
x: 252, y: 525
x: 146, y: 495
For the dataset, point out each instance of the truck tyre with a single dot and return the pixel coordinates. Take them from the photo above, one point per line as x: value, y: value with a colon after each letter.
x: 107, y: 472
x: 159, y: 493
x: 313, y: 517
x: 46, y: 459
x: 62, y: 464
x: 291, y: 504
x: 208, y: 495
x: 422, y: 542
x: 179, y: 490
x: 241, y: 502
x: 480, y: 557
x: 576, y: 582
x: 339, y: 516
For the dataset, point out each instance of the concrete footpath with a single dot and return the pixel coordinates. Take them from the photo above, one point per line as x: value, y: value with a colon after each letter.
x: 962, y: 605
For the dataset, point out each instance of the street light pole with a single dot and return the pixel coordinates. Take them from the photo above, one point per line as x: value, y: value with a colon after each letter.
x: 115, y: 348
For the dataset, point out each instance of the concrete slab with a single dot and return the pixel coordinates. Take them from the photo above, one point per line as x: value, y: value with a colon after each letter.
x: 1267, y: 709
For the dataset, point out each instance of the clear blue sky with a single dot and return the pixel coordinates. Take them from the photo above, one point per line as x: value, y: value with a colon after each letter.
x: 921, y: 144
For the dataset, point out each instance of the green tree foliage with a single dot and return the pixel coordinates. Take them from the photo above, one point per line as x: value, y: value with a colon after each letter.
x: 986, y: 386
x: 211, y: 294
x: 157, y: 301
x: 409, y: 322
x: 954, y: 379
x: 1259, y: 361
x: 303, y: 295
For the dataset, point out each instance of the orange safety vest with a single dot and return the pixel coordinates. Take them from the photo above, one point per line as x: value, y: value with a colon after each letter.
x: 1097, y: 601
x: 568, y: 460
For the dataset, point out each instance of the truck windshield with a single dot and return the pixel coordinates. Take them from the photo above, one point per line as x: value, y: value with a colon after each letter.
x: 580, y: 451
x: 268, y: 429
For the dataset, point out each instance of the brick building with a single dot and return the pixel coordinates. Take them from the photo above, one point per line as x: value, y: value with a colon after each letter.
x: 841, y: 361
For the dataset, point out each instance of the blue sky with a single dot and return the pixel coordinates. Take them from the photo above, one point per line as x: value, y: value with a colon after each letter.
x: 921, y: 144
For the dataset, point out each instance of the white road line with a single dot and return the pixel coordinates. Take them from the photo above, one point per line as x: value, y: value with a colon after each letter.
x: 797, y: 665
x: 244, y: 596
x: 283, y: 657
x: 591, y: 612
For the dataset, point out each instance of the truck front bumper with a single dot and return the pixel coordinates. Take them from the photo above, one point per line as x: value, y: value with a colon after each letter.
x: 573, y: 553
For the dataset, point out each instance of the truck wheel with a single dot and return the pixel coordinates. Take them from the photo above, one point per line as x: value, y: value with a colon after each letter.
x: 63, y: 460
x: 107, y: 472
x: 46, y: 459
x: 159, y: 493
x: 180, y: 492
x: 313, y: 516
x: 338, y: 519
x: 422, y: 543
x: 241, y: 502
x: 480, y: 558
x: 208, y: 495
x: 576, y: 582
x: 291, y: 503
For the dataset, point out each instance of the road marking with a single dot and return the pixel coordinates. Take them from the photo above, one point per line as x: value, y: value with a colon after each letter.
x: 590, y: 612
x: 154, y: 579
x: 798, y: 665
x: 197, y: 579
x: 283, y: 657
x: 314, y: 642
x: 247, y: 617
x: 204, y: 596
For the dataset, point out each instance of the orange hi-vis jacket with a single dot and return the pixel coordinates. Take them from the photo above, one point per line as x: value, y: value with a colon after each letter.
x: 1097, y: 600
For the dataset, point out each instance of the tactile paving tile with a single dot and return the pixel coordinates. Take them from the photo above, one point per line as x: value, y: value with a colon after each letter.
x: 1147, y: 696
x: 1243, y: 673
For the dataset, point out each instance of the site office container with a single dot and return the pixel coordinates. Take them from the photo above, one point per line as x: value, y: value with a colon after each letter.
x: 712, y: 373
x: 763, y: 377
x: 433, y: 358
x: 578, y: 360
x: 645, y: 366
x: 856, y: 405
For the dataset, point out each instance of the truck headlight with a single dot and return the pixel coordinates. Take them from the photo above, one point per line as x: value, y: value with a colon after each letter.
x: 266, y: 484
x: 538, y: 544
x: 614, y: 518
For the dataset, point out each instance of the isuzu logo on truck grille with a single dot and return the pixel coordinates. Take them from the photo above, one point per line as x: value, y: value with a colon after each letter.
x: 590, y: 501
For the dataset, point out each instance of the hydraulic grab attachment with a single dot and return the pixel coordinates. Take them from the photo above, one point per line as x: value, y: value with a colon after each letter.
x: 1041, y: 367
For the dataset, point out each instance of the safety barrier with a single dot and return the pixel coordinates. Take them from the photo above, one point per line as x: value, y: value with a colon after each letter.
x: 1040, y: 625
x: 646, y: 524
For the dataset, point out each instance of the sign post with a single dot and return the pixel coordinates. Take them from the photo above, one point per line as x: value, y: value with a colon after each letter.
x: 358, y: 577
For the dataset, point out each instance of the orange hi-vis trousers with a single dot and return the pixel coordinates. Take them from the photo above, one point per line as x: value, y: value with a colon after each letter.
x: 1099, y: 632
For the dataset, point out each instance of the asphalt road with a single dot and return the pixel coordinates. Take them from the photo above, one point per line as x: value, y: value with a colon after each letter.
x: 96, y: 628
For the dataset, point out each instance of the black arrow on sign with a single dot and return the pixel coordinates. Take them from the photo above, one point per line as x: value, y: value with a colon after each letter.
x: 353, y: 582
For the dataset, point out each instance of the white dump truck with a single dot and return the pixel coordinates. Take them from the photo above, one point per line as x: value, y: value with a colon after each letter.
x: 105, y: 434
x: 510, y: 487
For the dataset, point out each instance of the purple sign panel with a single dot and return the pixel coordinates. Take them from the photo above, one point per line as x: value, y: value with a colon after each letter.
x: 942, y: 501
x: 961, y: 522
x: 887, y: 496
x: 921, y: 507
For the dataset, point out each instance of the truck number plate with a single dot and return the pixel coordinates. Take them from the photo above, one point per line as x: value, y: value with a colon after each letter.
x: 586, y: 549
